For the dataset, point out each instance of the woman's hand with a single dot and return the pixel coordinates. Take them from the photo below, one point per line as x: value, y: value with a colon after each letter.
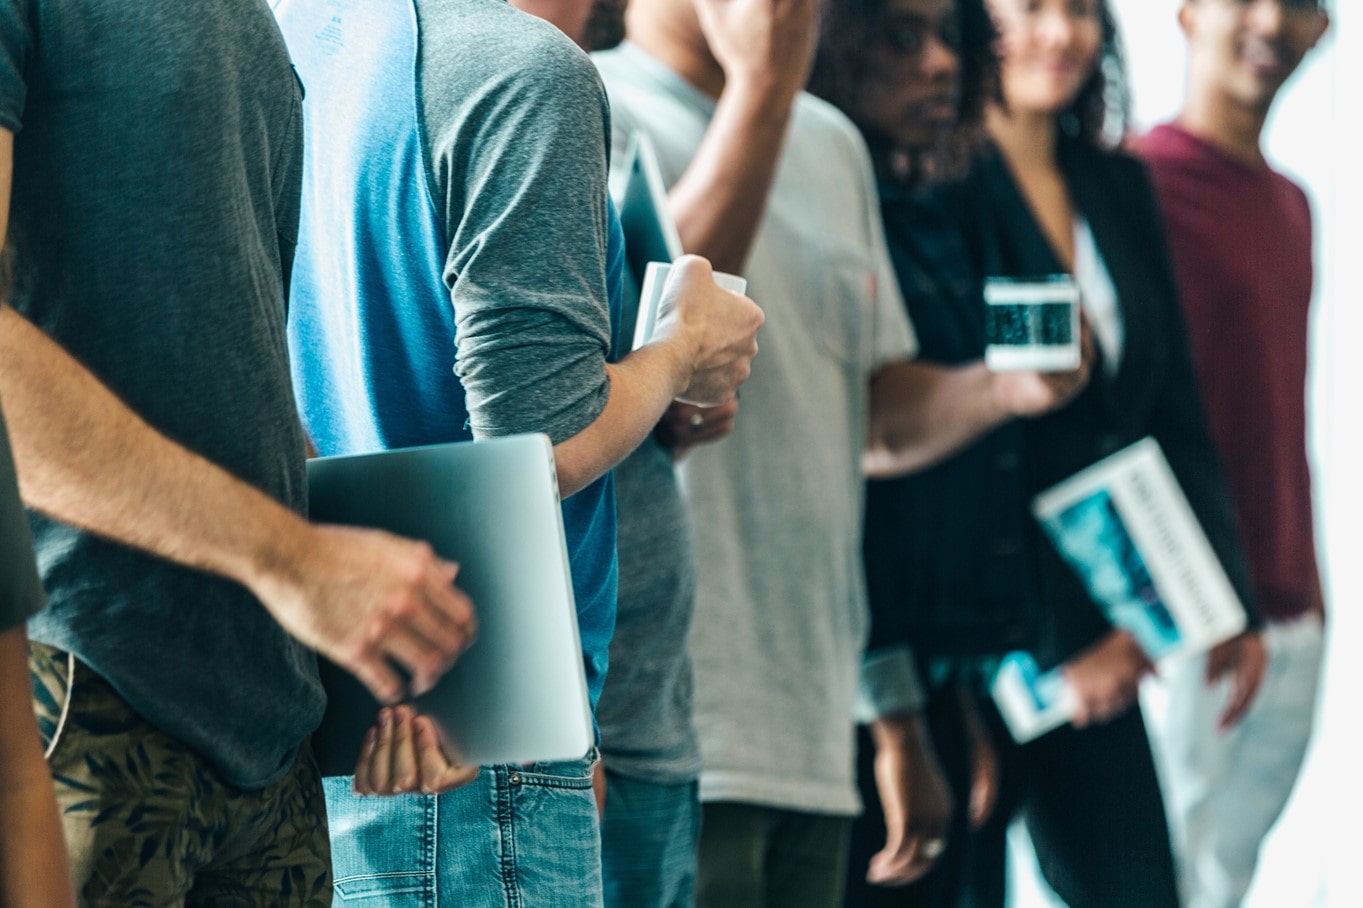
x: 1106, y: 678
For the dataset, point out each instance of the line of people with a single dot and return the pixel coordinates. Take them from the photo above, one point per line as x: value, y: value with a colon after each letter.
x: 240, y: 233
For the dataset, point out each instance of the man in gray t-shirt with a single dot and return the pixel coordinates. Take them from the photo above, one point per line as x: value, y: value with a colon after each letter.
x: 154, y: 151
x: 771, y: 183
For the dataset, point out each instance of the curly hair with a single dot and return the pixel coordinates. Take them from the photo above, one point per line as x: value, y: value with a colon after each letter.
x: 1101, y: 113
x: 843, y: 68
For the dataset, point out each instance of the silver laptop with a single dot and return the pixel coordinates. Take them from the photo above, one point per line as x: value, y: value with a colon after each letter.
x: 519, y: 694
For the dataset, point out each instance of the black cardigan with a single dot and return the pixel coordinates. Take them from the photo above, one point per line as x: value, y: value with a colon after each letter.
x: 955, y: 562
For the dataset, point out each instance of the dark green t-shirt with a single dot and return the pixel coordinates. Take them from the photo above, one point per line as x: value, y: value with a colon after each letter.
x: 157, y: 173
x: 20, y: 593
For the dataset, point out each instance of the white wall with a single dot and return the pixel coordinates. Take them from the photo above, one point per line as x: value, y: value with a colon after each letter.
x: 1312, y: 858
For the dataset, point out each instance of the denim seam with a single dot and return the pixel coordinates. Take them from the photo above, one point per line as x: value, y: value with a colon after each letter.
x: 431, y: 857
x: 505, y: 814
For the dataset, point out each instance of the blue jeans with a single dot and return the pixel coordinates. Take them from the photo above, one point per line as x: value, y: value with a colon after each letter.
x: 515, y: 837
x: 649, y: 838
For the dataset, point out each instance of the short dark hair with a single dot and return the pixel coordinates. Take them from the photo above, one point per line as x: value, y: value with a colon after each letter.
x: 1101, y: 113
x: 843, y: 68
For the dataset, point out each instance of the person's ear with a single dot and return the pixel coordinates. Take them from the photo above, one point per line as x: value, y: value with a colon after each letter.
x: 1186, y: 14
x: 1322, y: 26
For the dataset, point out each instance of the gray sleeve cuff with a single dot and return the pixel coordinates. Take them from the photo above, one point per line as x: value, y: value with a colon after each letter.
x: 889, y: 684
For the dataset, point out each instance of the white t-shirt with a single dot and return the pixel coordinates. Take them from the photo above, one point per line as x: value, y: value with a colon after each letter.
x: 1099, y: 296
x: 781, y: 614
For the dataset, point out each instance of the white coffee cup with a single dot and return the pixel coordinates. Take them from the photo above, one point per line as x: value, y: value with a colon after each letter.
x: 651, y: 297
x: 1032, y: 325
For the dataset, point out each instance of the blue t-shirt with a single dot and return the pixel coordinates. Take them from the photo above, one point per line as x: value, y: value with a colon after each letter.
x: 450, y: 280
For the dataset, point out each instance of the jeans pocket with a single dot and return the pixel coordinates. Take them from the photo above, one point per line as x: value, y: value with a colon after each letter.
x: 382, y: 848
x: 553, y: 830
x: 559, y: 773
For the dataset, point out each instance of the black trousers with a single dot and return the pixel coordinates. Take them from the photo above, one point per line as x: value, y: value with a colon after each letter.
x: 1090, y: 800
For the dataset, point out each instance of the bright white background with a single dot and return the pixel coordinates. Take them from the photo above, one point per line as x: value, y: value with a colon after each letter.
x: 1313, y: 858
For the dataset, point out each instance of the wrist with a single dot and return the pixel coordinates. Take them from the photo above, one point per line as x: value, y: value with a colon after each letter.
x: 898, y: 729
x: 271, y: 563
x: 997, y: 396
x: 761, y: 94
x: 678, y: 354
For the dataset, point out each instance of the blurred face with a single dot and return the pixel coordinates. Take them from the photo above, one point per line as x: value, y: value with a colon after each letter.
x: 1249, y: 48
x: 569, y: 15
x: 605, y: 26
x: 912, y: 93
x: 1048, y: 51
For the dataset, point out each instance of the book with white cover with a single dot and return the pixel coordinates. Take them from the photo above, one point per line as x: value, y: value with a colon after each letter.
x: 1126, y: 528
x: 650, y: 234
x: 519, y: 693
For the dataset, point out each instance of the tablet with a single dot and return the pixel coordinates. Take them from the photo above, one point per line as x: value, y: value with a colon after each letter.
x: 650, y: 233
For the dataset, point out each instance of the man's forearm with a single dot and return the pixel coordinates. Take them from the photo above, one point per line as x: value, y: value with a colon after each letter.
x: 923, y: 413
x: 719, y: 202
x: 33, y: 865
x: 641, y: 388
x: 83, y: 457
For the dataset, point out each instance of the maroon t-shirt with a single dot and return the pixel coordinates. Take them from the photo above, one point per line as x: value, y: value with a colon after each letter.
x: 1241, y: 240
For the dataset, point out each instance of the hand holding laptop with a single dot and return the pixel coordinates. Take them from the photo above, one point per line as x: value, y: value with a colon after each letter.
x: 402, y: 754
x: 369, y: 601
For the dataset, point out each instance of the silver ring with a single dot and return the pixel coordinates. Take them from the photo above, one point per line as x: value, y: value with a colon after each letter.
x: 697, y: 422
x: 933, y: 848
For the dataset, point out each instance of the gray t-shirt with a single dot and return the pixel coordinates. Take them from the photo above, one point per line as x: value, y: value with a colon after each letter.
x: 781, y: 615
x: 21, y: 594
x: 645, y: 711
x: 451, y: 273
x: 157, y: 172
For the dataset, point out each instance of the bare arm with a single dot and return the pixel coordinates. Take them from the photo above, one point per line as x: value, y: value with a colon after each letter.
x: 360, y: 597
x: 33, y: 867
x: 922, y: 413
x: 718, y: 203
x: 765, y: 49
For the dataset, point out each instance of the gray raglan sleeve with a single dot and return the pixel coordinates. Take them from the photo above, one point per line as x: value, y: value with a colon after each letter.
x: 519, y: 171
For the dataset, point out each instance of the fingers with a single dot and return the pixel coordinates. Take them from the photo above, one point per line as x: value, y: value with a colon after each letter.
x: 424, y: 633
x: 363, y: 783
x: 1247, y: 680
x: 984, y: 795
x: 374, y: 770
x: 402, y: 754
x: 1220, y: 660
x: 984, y: 788
x: 374, y: 673
x: 403, y: 771
x: 451, y: 605
x: 437, y: 774
x: 599, y: 788
x: 685, y: 425
x: 694, y: 270
x: 417, y: 656
x: 906, y: 863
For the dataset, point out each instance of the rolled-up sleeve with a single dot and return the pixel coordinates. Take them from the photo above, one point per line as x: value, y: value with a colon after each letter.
x: 889, y: 684
x: 523, y: 166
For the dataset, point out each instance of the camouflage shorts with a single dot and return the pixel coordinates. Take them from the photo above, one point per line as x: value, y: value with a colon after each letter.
x: 149, y: 822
